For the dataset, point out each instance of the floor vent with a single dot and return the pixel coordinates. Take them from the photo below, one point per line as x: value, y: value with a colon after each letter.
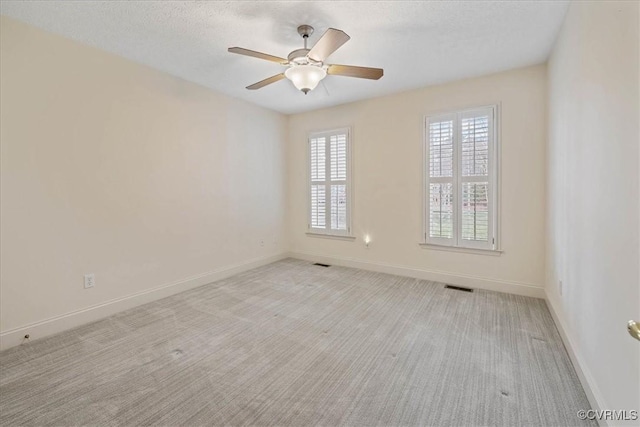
x: 321, y: 265
x: 458, y: 288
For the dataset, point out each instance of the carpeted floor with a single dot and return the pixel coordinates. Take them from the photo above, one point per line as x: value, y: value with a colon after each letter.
x: 296, y: 344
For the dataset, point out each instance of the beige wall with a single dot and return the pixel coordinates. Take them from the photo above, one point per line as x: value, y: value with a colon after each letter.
x: 387, y: 179
x: 112, y: 168
x: 592, y: 192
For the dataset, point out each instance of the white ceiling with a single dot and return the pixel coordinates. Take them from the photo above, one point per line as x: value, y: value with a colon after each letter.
x: 417, y: 43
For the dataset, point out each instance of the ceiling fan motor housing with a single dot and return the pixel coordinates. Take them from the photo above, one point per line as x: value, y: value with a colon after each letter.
x: 299, y: 56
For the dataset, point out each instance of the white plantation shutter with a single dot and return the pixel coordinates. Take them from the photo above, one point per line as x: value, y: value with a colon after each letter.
x: 317, y: 149
x: 339, y: 207
x: 318, y: 200
x: 461, y: 174
x: 329, y: 182
x: 475, y: 211
x: 338, y: 153
x: 441, y: 211
x: 338, y: 157
x: 476, y: 130
x: 440, y: 192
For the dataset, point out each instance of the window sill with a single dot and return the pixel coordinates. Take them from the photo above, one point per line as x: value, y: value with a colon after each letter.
x: 332, y: 236
x: 490, y: 252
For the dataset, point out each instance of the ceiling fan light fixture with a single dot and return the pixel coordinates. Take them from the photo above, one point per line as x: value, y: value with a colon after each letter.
x: 306, y: 67
x: 305, y: 77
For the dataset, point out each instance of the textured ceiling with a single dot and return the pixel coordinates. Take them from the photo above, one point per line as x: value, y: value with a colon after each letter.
x: 417, y: 43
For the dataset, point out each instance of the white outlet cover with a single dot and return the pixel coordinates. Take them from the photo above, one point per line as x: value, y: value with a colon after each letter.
x: 89, y: 280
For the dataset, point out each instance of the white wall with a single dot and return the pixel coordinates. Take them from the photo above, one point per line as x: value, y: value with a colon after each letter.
x: 592, y: 212
x: 112, y: 168
x: 387, y: 181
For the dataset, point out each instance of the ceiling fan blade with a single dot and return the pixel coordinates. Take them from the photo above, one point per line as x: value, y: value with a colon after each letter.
x: 267, y: 81
x: 353, y: 71
x: 330, y: 41
x: 260, y: 55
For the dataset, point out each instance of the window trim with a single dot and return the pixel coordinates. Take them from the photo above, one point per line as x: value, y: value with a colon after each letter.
x: 327, y: 232
x: 494, y: 178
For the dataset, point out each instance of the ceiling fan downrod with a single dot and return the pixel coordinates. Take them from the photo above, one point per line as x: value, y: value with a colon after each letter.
x: 305, y: 31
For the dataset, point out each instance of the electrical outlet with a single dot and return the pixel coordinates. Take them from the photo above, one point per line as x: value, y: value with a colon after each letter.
x: 261, y: 242
x: 560, y: 286
x: 89, y: 280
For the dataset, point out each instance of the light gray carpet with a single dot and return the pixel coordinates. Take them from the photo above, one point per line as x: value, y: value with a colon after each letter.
x: 296, y: 344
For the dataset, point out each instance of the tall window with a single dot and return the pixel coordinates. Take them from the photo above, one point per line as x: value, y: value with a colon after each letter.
x: 461, y: 170
x: 330, y: 175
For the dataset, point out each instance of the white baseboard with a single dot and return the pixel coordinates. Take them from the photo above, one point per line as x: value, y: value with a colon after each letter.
x: 584, y: 375
x: 76, y: 318
x: 525, y: 289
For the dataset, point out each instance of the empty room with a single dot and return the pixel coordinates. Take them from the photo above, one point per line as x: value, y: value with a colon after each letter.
x: 334, y: 213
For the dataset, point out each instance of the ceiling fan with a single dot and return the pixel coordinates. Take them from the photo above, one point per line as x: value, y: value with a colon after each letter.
x: 306, y: 67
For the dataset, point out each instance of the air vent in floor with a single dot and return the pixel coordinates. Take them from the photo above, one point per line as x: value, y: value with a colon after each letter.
x: 321, y: 265
x: 458, y: 288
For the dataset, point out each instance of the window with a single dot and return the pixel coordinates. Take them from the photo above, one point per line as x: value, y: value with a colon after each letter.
x: 329, y: 183
x: 461, y: 170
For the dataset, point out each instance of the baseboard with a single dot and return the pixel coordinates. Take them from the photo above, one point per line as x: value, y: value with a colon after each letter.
x: 584, y: 375
x: 76, y: 318
x: 436, y: 276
